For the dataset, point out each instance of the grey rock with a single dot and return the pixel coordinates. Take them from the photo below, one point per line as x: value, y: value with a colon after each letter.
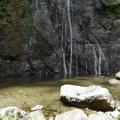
x: 40, y: 45
x: 13, y: 111
x: 105, y: 116
x: 36, y: 115
x: 99, y: 116
x: 117, y: 104
x: 75, y: 114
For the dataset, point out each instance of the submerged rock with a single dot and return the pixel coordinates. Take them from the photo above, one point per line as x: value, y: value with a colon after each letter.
x: 37, y: 107
x: 93, y: 97
x: 114, y: 82
x: 75, y: 114
x: 117, y: 75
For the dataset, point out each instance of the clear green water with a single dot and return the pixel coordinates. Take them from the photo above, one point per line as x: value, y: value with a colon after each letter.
x: 46, y: 92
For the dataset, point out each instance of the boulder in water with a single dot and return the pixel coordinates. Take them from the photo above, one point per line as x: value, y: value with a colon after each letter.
x: 93, y: 97
x: 114, y: 82
x: 117, y: 75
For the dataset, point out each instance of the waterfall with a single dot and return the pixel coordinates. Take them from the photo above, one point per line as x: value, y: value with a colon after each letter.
x: 71, y: 37
x: 95, y: 58
x: 101, y: 58
x: 76, y: 57
x: 63, y: 51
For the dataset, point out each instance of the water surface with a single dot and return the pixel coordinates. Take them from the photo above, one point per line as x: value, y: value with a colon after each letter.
x: 46, y: 92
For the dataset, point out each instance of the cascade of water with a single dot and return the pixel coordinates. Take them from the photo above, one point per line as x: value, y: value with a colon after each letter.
x: 101, y: 58
x: 95, y: 58
x: 76, y: 35
x: 76, y: 57
x: 63, y: 51
x: 71, y: 37
x: 86, y: 68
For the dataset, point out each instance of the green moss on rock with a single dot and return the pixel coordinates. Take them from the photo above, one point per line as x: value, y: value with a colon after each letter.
x: 113, y: 2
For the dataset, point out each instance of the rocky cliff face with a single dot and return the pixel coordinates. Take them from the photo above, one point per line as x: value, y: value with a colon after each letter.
x: 64, y: 37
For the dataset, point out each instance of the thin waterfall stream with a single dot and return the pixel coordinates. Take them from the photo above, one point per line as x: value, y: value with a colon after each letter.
x: 71, y: 37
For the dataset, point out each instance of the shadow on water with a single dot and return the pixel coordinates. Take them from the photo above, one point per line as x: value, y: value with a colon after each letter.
x: 6, y: 82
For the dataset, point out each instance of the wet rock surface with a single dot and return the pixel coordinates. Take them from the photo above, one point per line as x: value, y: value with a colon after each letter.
x: 96, y: 39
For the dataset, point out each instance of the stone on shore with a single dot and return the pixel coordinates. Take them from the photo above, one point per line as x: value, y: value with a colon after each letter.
x: 36, y: 115
x: 75, y: 114
x: 12, y: 111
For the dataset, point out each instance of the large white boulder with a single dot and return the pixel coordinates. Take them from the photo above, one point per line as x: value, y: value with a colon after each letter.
x: 93, y: 97
x: 75, y: 114
x: 117, y: 75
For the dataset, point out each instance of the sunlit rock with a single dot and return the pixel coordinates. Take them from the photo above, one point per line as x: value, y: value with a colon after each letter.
x: 105, y: 116
x: 114, y: 82
x: 117, y: 75
x: 51, y: 118
x: 36, y: 115
x: 99, y: 116
x: 75, y: 114
x: 117, y: 105
x: 37, y: 107
x: 12, y: 111
x: 93, y: 97
x: 114, y: 115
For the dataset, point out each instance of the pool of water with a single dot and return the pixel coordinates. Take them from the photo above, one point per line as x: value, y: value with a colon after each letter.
x: 46, y: 92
